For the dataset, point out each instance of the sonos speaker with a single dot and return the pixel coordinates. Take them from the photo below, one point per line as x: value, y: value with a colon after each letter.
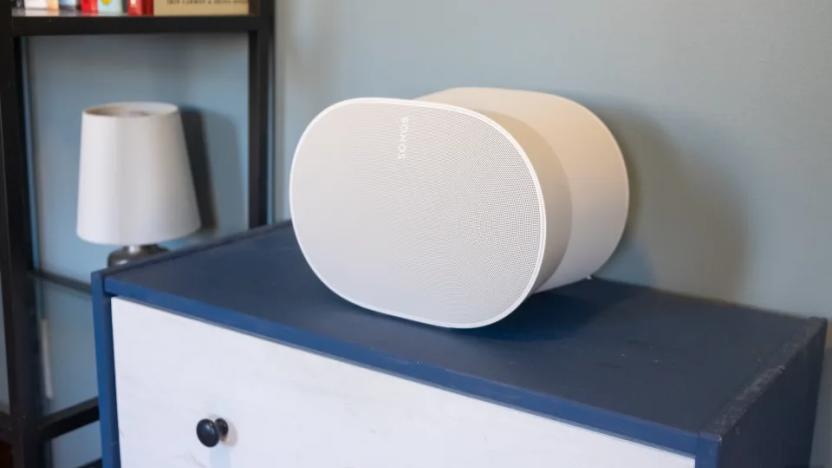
x: 451, y: 209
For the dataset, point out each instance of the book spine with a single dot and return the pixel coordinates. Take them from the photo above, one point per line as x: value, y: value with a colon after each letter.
x: 110, y: 6
x: 200, y: 7
x: 35, y: 4
x: 140, y: 7
x: 89, y: 6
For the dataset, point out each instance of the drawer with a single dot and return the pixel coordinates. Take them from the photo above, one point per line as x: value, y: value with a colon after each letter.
x: 288, y: 407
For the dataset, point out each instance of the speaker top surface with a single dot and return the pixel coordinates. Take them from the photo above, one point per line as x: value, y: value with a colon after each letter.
x: 421, y: 210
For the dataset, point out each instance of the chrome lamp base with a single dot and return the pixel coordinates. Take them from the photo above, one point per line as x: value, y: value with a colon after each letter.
x: 131, y: 253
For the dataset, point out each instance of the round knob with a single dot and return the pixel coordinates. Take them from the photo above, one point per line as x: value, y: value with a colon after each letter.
x: 210, y: 433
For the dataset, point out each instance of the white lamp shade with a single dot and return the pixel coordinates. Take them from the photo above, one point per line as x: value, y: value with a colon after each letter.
x: 135, y: 185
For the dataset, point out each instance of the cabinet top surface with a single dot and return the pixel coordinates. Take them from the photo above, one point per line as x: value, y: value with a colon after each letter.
x: 627, y: 359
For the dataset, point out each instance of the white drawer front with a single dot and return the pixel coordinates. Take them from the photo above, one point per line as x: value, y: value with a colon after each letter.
x: 295, y: 409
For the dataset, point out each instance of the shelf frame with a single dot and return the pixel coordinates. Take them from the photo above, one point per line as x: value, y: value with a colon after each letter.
x: 69, y: 419
x: 70, y: 24
x: 26, y: 428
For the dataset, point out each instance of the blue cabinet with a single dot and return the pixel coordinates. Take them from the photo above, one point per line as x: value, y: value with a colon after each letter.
x: 593, y: 374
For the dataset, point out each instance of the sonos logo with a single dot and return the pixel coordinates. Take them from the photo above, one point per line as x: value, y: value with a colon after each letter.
x: 404, y: 127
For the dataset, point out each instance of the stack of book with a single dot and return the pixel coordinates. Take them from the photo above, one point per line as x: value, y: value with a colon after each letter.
x: 145, y: 7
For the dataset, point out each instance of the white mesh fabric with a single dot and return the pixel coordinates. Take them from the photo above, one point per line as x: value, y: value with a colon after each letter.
x: 445, y: 229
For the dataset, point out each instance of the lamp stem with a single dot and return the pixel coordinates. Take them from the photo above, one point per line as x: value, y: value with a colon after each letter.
x: 134, y: 249
x: 132, y: 253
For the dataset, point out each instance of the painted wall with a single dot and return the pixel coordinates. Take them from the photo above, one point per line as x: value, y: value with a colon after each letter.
x: 207, y: 77
x: 723, y: 110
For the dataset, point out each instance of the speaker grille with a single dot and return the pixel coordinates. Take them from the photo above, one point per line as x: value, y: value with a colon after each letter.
x: 417, y: 211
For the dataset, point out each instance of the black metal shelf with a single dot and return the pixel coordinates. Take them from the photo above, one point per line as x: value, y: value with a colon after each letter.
x: 57, y: 423
x: 69, y: 419
x: 5, y: 427
x: 29, y: 421
x: 73, y: 416
x: 37, y: 23
x: 60, y: 280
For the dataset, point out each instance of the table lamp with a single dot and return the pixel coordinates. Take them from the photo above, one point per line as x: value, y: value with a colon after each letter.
x: 135, y: 187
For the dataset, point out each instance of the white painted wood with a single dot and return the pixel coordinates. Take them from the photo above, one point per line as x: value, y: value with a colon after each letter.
x: 292, y: 408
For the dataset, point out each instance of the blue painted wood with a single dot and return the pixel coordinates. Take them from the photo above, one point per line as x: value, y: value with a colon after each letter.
x: 103, y: 330
x: 660, y: 368
x: 770, y: 421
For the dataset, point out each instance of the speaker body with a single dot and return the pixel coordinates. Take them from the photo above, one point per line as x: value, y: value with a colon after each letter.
x: 453, y: 208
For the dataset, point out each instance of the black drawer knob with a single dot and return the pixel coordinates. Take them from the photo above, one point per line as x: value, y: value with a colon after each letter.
x: 210, y: 433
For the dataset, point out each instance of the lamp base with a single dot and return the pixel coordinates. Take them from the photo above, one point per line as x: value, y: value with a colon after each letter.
x: 131, y: 253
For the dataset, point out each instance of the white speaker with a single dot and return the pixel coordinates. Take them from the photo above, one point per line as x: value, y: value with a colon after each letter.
x: 453, y: 208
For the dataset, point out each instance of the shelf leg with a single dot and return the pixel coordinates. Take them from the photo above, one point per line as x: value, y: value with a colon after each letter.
x: 15, y: 260
x: 259, y: 100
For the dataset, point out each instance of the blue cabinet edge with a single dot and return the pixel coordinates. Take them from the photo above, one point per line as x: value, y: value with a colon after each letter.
x: 105, y: 371
x: 771, y: 421
x: 724, y: 443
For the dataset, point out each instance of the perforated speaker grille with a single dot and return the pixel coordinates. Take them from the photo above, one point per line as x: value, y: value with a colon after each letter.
x: 417, y: 211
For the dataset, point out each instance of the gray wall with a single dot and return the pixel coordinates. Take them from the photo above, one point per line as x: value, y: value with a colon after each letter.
x: 722, y: 108
x: 207, y: 77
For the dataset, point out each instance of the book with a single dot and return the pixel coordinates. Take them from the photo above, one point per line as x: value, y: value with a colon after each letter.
x: 68, y: 4
x: 200, y: 7
x: 37, y: 5
x: 139, y: 7
x: 89, y: 6
x: 110, y: 6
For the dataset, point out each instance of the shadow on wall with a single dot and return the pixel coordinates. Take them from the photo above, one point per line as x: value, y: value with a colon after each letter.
x: 678, y: 191
x: 200, y: 168
x: 206, y: 170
